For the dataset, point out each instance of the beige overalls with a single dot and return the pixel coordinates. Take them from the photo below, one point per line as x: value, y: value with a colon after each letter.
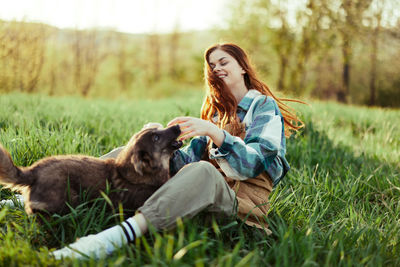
x: 252, y: 194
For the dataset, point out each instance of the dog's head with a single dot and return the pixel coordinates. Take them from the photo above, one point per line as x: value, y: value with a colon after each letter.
x: 150, y: 150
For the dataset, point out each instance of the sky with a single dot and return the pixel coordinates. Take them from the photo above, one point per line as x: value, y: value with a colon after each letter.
x: 134, y: 16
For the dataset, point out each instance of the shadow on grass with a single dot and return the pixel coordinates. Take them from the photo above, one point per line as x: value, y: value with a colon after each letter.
x: 334, y: 207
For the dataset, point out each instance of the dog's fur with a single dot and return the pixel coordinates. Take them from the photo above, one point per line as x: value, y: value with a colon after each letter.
x: 140, y: 169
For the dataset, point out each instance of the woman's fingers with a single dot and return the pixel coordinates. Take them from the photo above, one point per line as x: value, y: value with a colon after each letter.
x: 177, y: 120
x: 185, y: 125
x: 190, y: 126
x: 187, y: 135
x: 185, y: 131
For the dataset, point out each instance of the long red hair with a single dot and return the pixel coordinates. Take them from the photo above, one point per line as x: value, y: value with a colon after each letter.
x: 219, y: 98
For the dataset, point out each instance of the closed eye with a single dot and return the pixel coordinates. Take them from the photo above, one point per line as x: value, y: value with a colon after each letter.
x: 222, y: 63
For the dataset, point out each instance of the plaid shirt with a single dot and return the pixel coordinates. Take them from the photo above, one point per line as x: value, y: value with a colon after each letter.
x: 262, y: 149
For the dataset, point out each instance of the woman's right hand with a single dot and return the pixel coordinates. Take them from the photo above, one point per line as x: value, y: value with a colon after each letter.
x: 191, y: 127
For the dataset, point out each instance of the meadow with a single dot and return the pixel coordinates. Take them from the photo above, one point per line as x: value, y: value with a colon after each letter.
x: 338, y: 206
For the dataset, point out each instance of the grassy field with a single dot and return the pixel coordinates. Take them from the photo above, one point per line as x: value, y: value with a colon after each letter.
x: 338, y: 206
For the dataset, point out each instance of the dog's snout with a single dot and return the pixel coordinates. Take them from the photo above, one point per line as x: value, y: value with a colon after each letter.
x: 177, y: 144
x: 176, y: 129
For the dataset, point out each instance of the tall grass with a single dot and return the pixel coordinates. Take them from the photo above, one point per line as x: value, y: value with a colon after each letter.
x: 338, y: 206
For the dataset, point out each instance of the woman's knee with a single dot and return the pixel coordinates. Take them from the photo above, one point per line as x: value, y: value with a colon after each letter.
x: 206, y: 165
x: 207, y: 174
x: 201, y: 173
x: 207, y: 169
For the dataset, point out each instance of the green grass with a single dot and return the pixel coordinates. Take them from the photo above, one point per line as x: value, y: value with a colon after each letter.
x: 338, y: 206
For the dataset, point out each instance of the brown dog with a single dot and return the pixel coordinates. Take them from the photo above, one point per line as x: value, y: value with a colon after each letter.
x: 140, y: 169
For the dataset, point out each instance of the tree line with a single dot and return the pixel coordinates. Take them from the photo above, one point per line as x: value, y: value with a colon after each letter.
x: 347, y: 50
x: 36, y: 57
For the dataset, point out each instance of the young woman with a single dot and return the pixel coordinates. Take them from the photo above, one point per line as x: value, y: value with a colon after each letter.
x: 230, y: 167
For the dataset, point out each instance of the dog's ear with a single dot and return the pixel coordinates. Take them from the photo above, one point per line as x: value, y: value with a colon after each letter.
x: 141, y: 161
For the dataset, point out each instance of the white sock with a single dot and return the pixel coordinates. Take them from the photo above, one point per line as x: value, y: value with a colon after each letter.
x: 12, y: 203
x: 119, y: 235
x: 132, y: 229
x: 102, y: 243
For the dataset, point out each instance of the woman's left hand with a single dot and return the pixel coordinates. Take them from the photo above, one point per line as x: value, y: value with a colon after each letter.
x: 191, y: 126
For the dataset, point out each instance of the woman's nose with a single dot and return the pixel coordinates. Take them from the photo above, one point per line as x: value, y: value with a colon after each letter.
x: 217, y: 68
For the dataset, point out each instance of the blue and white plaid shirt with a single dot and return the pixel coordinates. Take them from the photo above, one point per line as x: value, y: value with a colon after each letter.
x: 263, y: 148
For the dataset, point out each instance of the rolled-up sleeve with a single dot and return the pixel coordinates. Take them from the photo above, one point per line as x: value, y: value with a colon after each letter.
x: 263, y: 148
x: 190, y: 153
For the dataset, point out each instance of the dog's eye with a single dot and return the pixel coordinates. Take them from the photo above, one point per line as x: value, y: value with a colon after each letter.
x: 156, y: 137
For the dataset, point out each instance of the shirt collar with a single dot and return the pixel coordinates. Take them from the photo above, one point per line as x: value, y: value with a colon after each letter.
x: 248, y: 99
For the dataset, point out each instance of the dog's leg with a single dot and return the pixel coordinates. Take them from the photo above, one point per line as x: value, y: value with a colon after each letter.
x: 16, y: 201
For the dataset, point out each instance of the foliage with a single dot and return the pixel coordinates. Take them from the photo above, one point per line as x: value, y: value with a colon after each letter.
x: 338, y: 206
x: 344, y: 50
x: 324, y: 49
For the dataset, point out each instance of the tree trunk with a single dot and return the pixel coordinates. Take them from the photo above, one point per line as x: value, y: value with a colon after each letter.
x: 173, y: 57
x: 282, y: 72
x: 155, y: 49
x: 374, y: 56
x: 344, y: 93
x: 372, y: 88
x: 121, y: 65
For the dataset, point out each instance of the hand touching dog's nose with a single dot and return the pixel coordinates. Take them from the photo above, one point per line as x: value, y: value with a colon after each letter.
x: 191, y: 127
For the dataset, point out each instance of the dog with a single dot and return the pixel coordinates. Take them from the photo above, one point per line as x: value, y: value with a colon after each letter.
x: 137, y: 172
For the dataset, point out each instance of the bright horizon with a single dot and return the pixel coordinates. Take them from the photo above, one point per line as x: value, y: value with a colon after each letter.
x: 141, y: 16
x: 133, y: 16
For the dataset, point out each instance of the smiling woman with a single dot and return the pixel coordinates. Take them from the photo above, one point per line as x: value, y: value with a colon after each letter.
x: 125, y: 16
x: 235, y: 159
x: 228, y: 69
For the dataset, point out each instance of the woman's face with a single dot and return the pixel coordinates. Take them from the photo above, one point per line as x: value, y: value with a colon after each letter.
x: 226, y: 67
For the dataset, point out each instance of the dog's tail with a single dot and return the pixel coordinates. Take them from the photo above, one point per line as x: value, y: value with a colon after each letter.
x: 10, y: 175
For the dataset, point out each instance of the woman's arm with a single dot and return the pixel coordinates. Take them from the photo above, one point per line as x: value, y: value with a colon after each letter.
x: 263, y: 148
x: 190, y: 127
x: 197, y: 127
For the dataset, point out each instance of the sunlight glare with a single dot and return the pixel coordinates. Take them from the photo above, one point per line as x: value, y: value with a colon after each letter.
x: 135, y: 16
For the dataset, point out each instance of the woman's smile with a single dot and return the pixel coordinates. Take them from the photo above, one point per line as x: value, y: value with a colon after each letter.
x: 221, y: 75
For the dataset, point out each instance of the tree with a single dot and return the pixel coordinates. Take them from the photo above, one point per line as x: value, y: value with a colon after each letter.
x: 87, y: 55
x: 22, y: 54
x: 174, y: 40
x: 122, y: 55
x: 283, y: 42
x: 154, y: 53
x: 348, y: 20
x: 309, y: 21
x: 376, y: 28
